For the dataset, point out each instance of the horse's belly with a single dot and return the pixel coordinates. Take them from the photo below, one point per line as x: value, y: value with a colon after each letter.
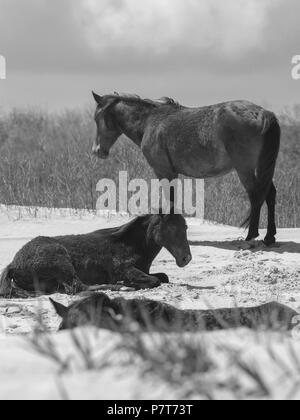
x: 94, y: 274
x: 203, y: 163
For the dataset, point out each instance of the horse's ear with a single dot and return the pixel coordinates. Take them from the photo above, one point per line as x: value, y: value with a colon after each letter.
x: 98, y: 98
x: 162, y: 212
x: 172, y: 210
x: 108, y: 116
x: 60, y: 309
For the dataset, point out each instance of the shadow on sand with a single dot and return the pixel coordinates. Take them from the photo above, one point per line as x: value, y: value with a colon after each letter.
x: 257, y: 246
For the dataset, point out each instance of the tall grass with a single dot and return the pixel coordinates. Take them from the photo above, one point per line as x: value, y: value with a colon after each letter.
x: 193, y: 366
x: 46, y: 161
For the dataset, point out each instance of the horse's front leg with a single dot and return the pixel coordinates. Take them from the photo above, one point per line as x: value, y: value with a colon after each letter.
x: 139, y: 280
x: 163, y: 278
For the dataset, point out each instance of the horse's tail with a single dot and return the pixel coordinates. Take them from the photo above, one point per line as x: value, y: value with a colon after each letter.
x: 5, y: 282
x: 267, y: 161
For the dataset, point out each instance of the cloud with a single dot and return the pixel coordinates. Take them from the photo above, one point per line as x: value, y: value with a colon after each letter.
x: 199, y: 51
x: 231, y: 27
x: 149, y: 36
x: 41, y: 35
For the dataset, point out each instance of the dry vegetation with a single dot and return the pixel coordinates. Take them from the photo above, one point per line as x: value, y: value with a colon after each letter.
x: 192, y: 366
x: 46, y: 161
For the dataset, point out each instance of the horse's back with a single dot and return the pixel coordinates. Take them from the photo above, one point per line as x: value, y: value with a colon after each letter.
x: 198, y: 140
x: 190, y: 137
x: 36, y: 250
x: 206, y: 120
x: 244, y: 117
x: 42, y: 265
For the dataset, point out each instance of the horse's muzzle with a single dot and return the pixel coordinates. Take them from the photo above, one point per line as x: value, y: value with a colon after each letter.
x: 183, y: 262
x: 100, y: 153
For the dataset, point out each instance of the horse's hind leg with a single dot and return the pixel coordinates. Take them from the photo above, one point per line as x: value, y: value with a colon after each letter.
x: 245, y: 162
x: 271, y: 202
x: 67, y: 279
x: 73, y: 285
x: 254, y: 217
x: 60, y: 277
x: 249, y: 181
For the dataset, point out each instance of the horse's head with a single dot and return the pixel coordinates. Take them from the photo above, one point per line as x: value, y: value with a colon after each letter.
x: 95, y: 310
x: 170, y: 232
x: 107, y: 129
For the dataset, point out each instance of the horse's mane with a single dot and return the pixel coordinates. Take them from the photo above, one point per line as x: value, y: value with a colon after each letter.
x: 127, y: 229
x: 136, y: 98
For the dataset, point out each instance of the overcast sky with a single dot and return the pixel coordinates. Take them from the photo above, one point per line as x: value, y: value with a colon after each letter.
x: 198, y: 51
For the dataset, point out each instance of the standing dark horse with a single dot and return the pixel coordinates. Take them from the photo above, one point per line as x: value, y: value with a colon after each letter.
x: 199, y: 143
x: 121, y: 256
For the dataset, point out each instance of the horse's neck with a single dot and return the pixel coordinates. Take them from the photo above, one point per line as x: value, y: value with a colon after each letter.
x: 132, y: 120
x: 139, y: 236
x: 152, y: 249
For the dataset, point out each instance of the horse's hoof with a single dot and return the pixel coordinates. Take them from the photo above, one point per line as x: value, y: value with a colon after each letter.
x: 251, y: 238
x: 270, y: 241
x: 251, y: 244
x: 163, y: 278
x: 127, y: 289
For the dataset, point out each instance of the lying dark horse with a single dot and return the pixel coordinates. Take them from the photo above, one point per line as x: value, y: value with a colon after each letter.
x: 200, y: 143
x: 113, y: 256
x: 119, y: 315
